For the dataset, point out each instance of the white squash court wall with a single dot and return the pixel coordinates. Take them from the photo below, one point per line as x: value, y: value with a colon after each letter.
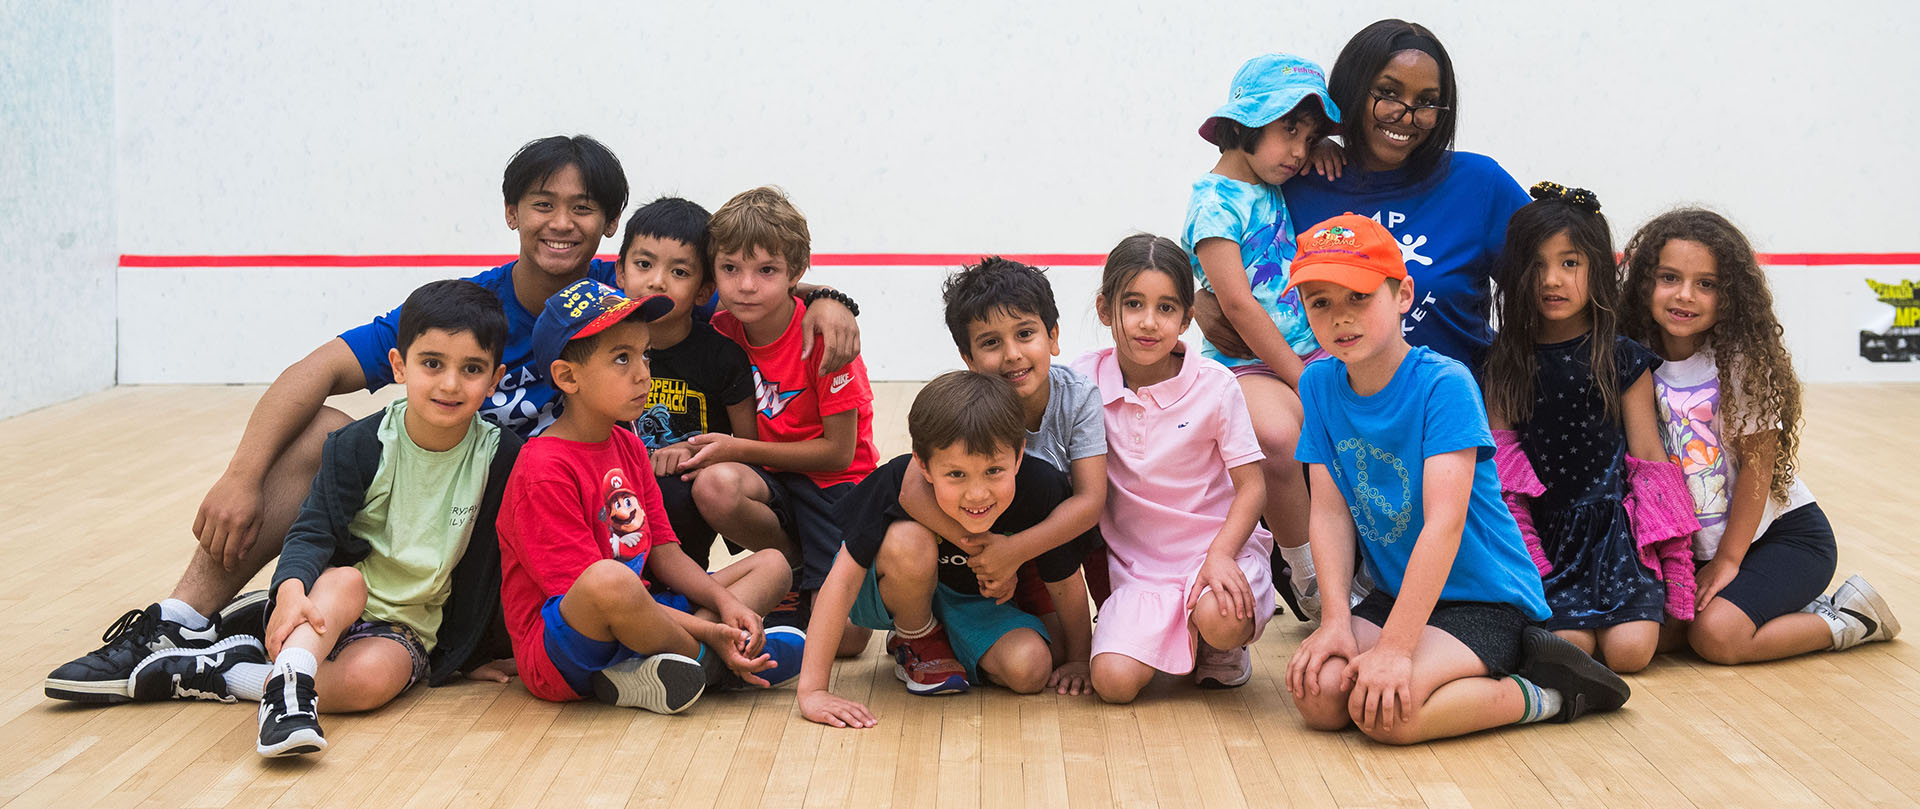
x: 308, y: 127
x: 57, y: 252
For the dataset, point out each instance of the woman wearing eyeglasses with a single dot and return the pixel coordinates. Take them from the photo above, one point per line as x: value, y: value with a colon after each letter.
x: 1395, y: 88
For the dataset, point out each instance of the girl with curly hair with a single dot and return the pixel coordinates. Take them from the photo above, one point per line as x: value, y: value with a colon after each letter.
x: 1565, y: 389
x: 1729, y: 406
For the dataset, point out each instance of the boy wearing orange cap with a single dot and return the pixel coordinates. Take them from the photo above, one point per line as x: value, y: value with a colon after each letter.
x: 1447, y: 643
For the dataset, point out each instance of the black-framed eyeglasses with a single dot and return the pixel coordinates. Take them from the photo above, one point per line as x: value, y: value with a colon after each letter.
x: 1391, y: 110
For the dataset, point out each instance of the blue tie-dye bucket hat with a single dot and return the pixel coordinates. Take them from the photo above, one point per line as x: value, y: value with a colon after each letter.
x: 1269, y: 86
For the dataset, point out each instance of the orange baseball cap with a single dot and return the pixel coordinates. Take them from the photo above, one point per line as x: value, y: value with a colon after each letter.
x: 1350, y: 250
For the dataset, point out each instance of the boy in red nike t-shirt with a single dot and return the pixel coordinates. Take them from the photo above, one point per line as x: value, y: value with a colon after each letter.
x: 815, y: 431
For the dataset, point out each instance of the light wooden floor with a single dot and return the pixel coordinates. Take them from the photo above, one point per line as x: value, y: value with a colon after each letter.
x: 97, y: 496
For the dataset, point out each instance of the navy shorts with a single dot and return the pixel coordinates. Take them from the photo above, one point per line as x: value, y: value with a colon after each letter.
x: 577, y: 656
x: 805, y: 510
x: 1491, y: 631
x: 1785, y: 568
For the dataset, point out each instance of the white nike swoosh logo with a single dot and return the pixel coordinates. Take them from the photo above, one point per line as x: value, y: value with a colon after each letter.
x: 840, y: 383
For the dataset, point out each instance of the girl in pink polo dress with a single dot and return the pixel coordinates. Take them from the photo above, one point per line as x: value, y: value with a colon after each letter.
x: 1192, y: 584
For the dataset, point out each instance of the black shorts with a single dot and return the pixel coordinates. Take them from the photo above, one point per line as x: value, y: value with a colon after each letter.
x: 805, y: 510
x: 1785, y: 568
x: 1491, y: 631
x: 695, y: 535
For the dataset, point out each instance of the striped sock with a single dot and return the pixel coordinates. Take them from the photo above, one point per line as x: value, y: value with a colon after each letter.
x: 1541, y: 703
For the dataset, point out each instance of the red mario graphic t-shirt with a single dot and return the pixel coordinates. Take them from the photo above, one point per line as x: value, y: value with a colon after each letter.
x: 568, y: 505
x: 792, y: 397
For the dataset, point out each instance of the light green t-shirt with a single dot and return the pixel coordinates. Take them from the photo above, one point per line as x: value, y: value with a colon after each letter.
x: 418, y: 515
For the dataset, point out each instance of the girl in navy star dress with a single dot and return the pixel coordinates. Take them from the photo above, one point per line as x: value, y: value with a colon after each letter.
x: 1566, y: 391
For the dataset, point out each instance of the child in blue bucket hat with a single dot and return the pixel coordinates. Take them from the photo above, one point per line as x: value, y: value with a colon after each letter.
x: 1242, y: 243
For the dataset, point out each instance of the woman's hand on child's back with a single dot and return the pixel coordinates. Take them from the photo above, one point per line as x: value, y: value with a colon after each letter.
x: 1334, y: 639
x: 1382, y: 682
x: 1327, y: 158
x: 1215, y: 327
x: 1229, y: 585
x: 292, y: 608
x: 825, y: 708
x: 1071, y: 678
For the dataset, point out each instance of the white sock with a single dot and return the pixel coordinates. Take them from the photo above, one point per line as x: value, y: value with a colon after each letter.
x: 1301, y: 560
x: 248, y: 681
x: 916, y: 633
x: 296, y: 659
x: 1541, y: 703
x: 177, y: 611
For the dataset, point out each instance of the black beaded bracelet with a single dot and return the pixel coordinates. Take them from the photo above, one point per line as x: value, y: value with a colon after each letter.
x: 834, y: 295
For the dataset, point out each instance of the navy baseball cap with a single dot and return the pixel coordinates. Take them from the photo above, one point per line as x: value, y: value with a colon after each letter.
x: 1269, y: 86
x: 584, y: 309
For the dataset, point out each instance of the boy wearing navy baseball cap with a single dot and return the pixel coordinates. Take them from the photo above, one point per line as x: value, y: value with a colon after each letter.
x: 582, y: 531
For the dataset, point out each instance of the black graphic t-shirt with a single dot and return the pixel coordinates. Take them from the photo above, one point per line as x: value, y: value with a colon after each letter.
x: 866, y: 512
x: 693, y: 382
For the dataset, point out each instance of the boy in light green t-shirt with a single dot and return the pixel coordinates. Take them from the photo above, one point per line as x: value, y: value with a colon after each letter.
x: 390, y: 574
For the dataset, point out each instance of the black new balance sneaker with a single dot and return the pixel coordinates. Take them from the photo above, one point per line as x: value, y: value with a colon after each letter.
x: 289, y: 717
x: 103, y: 674
x: 1585, y: 685
x: 194, y: 673
x: 246, y: 614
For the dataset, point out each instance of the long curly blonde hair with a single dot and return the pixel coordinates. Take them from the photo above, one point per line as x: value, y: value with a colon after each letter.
x: 1746, y: 337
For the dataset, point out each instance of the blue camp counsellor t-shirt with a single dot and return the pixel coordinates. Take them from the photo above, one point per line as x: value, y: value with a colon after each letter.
x: 1451, y: 227
x: 1375, y: 448
x: 525, y: 401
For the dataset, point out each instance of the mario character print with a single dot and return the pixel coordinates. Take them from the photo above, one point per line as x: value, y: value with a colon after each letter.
x: 626, y: 521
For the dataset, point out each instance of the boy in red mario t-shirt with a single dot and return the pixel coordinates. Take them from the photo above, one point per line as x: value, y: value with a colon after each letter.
x: 582, y: 525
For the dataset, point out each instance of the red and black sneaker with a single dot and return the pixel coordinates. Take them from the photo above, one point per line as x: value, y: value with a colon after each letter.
x: 927, y: 663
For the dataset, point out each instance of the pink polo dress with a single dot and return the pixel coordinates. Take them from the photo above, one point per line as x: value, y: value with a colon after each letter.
x: 1169, y: 447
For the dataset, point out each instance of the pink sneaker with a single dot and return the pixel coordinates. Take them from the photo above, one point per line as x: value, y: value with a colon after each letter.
x: 1217, y: 668
x: 927, y: 663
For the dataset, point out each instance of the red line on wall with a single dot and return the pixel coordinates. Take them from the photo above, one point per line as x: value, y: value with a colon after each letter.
x: 839, y: 260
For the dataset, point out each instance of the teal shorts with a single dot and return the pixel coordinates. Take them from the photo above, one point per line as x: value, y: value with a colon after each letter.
x: 973, y: 623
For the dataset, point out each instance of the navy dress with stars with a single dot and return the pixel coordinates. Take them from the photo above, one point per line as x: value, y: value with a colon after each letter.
x: 1580, y: 454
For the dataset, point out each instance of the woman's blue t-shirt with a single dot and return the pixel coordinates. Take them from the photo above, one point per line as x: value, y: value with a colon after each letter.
x: 1451, y: 226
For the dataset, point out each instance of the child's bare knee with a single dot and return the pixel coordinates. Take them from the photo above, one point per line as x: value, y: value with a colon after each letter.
x: 1325, y: 711
x: 345, y: 582
x: 1401, y: 733
x: 908, y: 548
x: 1719, y: 637
x: 717, y: 486
x: 1220, y: 632
x: 1116, y: 679
x: 1021, y: 661
x: 1628, y: 658
x: 606, y: 583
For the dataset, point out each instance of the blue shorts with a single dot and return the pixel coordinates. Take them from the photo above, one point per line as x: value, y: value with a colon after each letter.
x: 973, y: 623
x: 577, y: 656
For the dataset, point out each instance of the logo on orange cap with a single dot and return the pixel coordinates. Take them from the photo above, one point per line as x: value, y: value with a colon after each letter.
x: 1350, y: 250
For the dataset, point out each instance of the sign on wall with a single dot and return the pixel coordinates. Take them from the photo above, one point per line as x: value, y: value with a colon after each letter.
x: 1899, y: 339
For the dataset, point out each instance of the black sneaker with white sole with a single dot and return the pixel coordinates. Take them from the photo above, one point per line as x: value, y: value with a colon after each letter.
x: 662, y: 683
x: 193, y: 673
x: 289, y: 717
x: 103, y: 675
x: 1585, y: 685
x: 246, y: 614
